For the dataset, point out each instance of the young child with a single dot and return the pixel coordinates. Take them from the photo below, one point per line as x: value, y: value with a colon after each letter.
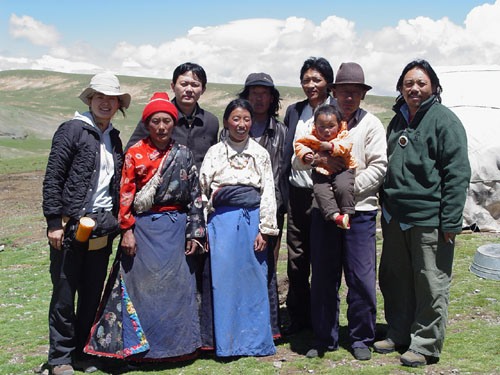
x: 334, y: 193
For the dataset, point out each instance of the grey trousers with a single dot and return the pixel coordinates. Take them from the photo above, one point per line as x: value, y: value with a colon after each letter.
x: 414, y: 277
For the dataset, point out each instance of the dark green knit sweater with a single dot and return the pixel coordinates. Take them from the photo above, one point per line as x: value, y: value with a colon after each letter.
x: 427, y: 181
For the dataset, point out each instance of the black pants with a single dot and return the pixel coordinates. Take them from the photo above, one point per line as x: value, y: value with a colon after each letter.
x: 299, y: 255
x: 72, y: 271
x: 353, y: 251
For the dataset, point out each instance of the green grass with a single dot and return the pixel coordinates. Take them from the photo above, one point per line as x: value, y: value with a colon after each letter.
x: 53, y: 98
x: 471, y: 344
x: 23, y: 164
x: 30, y: 144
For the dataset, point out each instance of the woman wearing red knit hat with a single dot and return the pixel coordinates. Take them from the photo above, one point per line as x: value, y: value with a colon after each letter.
x: 149, y: 311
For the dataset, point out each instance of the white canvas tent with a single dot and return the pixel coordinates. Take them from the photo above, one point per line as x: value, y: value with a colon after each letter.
x: 473, y: 93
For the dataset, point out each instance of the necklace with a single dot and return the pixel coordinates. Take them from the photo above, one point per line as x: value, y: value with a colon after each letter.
x: 239, y: 165
x: 238, y: 161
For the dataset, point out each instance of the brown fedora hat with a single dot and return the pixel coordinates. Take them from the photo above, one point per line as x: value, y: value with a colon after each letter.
x: 351, y: 73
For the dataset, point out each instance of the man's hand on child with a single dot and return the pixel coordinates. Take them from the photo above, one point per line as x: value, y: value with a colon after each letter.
x: 325, y: 146
x: 335, y: 164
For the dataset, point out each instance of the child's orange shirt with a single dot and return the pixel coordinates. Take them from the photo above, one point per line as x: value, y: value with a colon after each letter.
x: 341, y: 146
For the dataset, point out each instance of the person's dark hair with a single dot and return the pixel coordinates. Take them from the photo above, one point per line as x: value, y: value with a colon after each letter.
x: 238, y: 103
x: 424, y: 65
x: 122, y: 109
x: 327, y: 110
x: 190, y: 67
x: 321, y: 65
x: 275, y: 106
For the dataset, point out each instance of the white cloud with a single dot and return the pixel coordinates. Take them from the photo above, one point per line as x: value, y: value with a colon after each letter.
x: 35, y: 31
x: 47, y: 62
x: 482, y: 23
x: 228, y: 52
x: 13, y: 63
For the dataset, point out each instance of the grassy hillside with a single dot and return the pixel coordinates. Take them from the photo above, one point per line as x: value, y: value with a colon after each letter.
x: 34, y: 103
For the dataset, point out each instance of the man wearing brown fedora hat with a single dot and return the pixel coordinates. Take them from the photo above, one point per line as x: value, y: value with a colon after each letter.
x: 353, y: 251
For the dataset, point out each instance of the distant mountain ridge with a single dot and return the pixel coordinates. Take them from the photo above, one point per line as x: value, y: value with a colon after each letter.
x: 33, y: 103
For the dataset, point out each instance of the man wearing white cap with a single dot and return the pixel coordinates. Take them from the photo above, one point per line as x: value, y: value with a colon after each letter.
x: 82, y: 180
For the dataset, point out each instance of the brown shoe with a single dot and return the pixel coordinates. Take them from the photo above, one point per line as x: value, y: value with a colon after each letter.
x: 413, y: 359
x: 62, y: 370
x: 384, y: 346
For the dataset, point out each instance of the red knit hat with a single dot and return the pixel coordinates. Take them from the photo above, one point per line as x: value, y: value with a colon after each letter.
x: 159, y: 102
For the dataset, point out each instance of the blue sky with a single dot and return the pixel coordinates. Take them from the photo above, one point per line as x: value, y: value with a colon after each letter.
x: 122, y: 36
x: 170, y: 19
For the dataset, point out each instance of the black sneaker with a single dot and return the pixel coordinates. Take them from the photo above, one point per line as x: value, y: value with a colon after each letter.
x: 315, y: 353
x: 86, y: 366
x: 362, y: 354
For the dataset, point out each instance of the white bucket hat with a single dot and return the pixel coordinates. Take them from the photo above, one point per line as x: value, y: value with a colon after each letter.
x: 107, y: 84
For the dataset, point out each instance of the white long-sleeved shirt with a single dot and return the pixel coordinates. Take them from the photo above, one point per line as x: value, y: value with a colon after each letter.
x: 228, y: 164
x: 101, y: 197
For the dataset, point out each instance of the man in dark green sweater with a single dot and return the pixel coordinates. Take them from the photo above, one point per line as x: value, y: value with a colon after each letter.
x: 422, y: 203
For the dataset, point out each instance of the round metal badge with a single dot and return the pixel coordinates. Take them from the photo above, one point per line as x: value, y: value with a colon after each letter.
x: 403, y: 141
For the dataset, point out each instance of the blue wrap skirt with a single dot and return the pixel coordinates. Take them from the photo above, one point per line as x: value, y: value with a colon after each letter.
x: 239, y: 281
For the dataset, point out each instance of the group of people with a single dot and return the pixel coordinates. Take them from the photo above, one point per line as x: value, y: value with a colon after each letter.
x: 200, y: 216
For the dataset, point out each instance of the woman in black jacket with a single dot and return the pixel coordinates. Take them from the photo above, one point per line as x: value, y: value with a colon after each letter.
x: 82, y: 179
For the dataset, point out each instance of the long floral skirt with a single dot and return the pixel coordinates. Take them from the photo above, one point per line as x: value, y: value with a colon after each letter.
x: 149, y: 309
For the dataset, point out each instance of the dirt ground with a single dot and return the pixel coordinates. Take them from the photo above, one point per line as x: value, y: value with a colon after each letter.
x: 22, y: 221
x: 21, y: 217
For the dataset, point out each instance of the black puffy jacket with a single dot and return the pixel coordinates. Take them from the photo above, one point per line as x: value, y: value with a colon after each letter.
x: 73, y: 171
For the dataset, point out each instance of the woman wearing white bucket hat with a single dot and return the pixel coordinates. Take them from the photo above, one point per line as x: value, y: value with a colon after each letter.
x: 82, y: 180
x: 105, y: 84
